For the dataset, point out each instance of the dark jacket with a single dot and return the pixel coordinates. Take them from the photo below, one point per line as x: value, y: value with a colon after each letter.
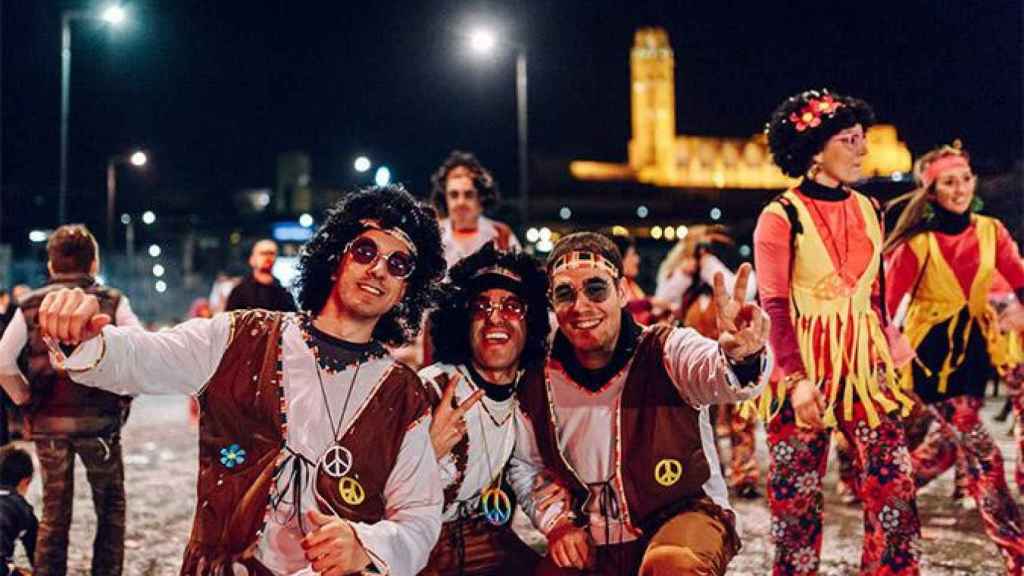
x: 250, y: 294
x: 59, y: 406
x: 17, y: 521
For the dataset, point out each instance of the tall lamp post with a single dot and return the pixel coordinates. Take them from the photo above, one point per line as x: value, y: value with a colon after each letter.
x: 483, y: 41
x: 137, y: 159
x: 113, y: 15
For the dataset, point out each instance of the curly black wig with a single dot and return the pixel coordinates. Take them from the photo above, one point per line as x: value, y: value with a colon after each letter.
x: 483, y: 181
x: 794, y: 143
x: 450, y: 321
x: 392, y: 207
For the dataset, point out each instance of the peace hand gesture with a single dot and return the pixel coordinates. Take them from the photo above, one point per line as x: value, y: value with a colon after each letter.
x: 742, y: 326
x: 448, y: 425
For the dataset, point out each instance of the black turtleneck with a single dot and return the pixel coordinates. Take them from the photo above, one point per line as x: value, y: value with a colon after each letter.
x: 594, y: 380
x: 817, y: 191
x: 946, y: 222
x: 496, y: 392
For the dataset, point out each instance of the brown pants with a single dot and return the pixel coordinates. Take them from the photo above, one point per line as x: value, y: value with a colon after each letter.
x: 486, y: 549
x: 104, y: 470
x: 690, y: 544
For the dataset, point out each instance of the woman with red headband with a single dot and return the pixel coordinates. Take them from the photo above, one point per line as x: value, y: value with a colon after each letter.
x: 817, y: 249
x: 945, y: 255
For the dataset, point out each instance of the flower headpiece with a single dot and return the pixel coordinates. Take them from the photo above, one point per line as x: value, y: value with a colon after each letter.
x: 810, y: 115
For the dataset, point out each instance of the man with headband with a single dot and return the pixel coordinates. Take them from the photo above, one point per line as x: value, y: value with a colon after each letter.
x: 314, y: 444
x: 489, y: 330
x: 621, y: 420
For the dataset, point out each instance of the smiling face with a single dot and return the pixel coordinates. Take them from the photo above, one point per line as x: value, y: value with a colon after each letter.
x: 588, y: 304
x: 369, y: 291
x: 841, y: 158
x: 462, y: 199
x: 497, y: 329
x: 954, y: 189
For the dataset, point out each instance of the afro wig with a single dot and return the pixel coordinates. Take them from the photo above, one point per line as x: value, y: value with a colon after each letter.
x: 392, y: 207
x: 483, y: 181
x: 450, y: 321
x: 798, y: 130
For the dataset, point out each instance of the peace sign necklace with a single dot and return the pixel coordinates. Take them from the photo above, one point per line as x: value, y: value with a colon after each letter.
x: 496, y: 504
x: 336, y: 461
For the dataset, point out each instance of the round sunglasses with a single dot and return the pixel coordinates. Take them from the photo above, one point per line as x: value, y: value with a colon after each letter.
x: 366, y: 252
x: 510, y: 308
x: 596, y: 289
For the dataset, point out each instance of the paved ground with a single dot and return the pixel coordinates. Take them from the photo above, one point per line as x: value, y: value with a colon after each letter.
x: 160, y: 467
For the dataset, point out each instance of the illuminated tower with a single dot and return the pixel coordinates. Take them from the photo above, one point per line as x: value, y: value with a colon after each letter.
x: 652, y: 70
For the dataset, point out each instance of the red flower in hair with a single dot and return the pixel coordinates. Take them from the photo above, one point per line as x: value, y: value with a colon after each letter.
x: 810, y: 115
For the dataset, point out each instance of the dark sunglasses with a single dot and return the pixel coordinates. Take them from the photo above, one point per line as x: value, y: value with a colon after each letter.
x: 510, y: 307
x: 366, y: 252
x: 596, y: 290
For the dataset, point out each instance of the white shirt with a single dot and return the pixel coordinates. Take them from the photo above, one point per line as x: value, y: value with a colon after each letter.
x: 490, y: 426
x: 587, y: 426
x: 455, y: 250
x: 15, y: 338
x: 184, y: 358
x: 675, y: 285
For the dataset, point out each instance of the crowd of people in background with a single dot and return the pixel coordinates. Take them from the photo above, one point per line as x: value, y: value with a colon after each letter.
x: 426, y: 376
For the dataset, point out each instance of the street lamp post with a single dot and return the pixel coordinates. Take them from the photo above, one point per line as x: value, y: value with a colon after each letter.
x: 137, y: 159
x: 113, y: 15
x: 483, y: 41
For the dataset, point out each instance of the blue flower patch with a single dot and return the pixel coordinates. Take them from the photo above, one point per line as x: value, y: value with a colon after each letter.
x: 232, y: 456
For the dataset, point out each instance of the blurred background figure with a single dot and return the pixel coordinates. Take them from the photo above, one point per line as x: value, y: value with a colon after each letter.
x: 222, y: 286
x: 688, y: 270
x: 260, y: 289
x: 462, y: 190
x: 645, y: 309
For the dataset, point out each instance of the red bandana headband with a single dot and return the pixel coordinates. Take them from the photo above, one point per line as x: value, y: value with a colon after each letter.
x: 584, y: 259
x: 395, y: 232
x: 937, y: 167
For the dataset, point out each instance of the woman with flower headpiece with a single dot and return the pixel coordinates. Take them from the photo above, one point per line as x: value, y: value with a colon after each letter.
x: 817, y: 249
x: 944, y: 255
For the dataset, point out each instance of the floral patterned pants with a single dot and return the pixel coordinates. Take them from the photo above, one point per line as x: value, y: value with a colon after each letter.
x: 962, y: 435
x: 1015, y: 387
x: 743, y: 470
x: 798, y: 460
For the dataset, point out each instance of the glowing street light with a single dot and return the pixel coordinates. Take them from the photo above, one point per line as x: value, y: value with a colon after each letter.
x: 113, y: 15
x: 158, y: 270
x: 137, y: 159
x: 383, y: 176
x: 154, y: 250
x: 361, y: 164
x: 482, y: 41
x: 148, y: 217
x: 306, y: 221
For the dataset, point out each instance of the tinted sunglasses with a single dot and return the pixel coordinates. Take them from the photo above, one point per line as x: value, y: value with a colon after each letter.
x: 596, y: 289
x: 510, y: 308
x: 366, y: 252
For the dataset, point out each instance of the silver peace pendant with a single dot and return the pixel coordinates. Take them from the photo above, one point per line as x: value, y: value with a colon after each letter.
x: 336, y: 461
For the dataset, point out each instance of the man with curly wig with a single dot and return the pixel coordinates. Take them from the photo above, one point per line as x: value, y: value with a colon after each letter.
x: 620, y: 419
x: 489, y: 330
x: 314, y: 443
x: 462, y: 190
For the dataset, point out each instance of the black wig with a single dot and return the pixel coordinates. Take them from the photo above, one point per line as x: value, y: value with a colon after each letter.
x: 392, y: 207
x: 450, y: 321
x: 483, y: 181
x: 793, y: 149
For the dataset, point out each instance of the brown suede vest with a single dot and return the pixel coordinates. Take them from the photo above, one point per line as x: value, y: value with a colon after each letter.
x: 243, y: 409
x: 59, y: 406
x: 660, y: 433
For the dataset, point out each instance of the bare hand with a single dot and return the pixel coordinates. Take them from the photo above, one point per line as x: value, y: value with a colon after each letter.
x: 1012, y: 318
x: 71, y: 316
x: 547, y: 493
x: 448, y: 425
x: 809, y: 404
x: 569, y: 546
x: 332, y: 547
x: 742, y: 326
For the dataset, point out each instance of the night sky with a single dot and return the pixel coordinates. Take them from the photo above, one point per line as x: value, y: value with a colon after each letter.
x: 214, y: 90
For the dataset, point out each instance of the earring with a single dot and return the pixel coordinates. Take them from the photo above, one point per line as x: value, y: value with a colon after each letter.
x: 977, y: 204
